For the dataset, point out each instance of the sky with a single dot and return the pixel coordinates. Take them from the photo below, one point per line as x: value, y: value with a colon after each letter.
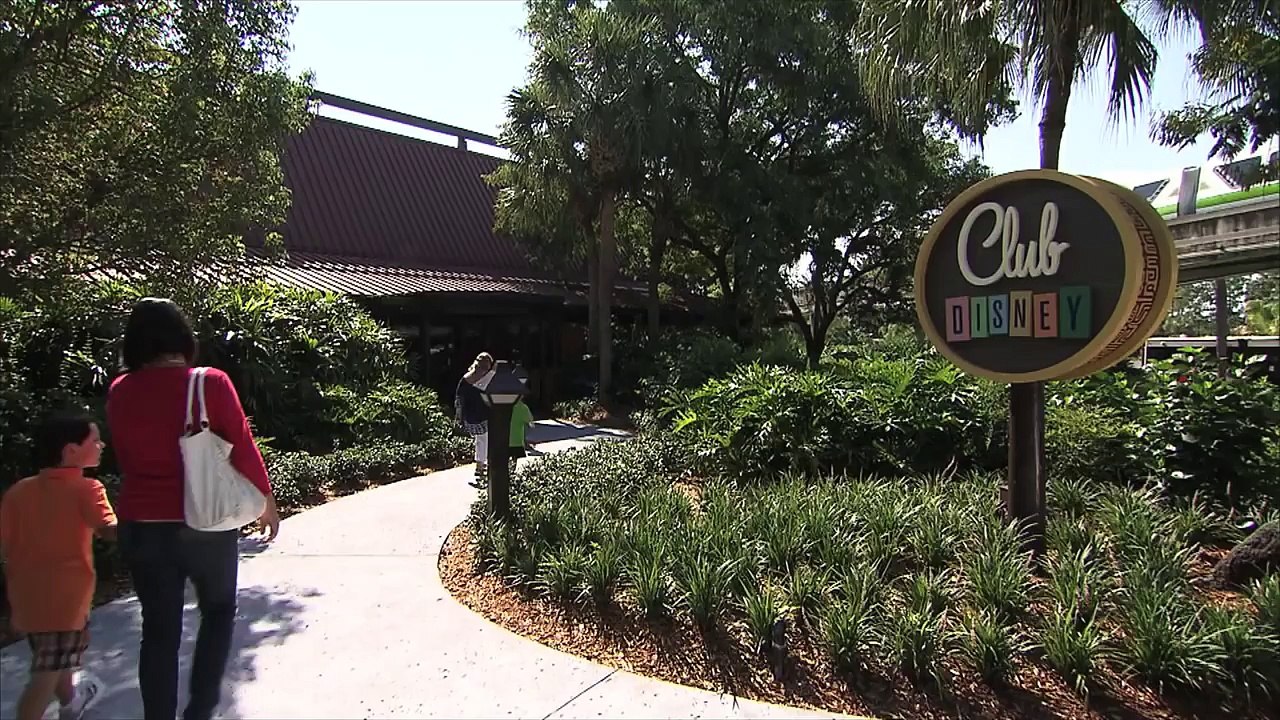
x: 455, y: 61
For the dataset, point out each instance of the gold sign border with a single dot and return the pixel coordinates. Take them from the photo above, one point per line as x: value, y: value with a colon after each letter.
x: 1167, y: 281
x: 1092, y: 351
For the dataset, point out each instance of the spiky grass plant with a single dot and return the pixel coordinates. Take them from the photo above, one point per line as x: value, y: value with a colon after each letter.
x: 1265, y: 594
x: 1078, y: 581
x: 703, y: 587
x: 562, y: 572
x: 650, y: 587
x: 1073, y: 648
x: 991, y: 641
x: 604, y: 570
x: 998, y: 571
x: 1165, y: 642
x: 807, y: 589
x: 763, y: 608
x: 1249, y: 664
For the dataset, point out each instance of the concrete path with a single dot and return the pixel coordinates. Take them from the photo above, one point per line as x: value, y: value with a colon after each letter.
x: 344, y: 616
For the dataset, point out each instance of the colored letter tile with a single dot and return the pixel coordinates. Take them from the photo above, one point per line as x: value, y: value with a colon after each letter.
x: 958, y: 319
x: 1045, y: 315
x: 1074, y: 320
x: 999, y: 314
x: 979, y: 317
x: 1020, y: 313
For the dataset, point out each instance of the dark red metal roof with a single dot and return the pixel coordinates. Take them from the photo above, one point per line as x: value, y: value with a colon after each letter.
x: 368, y: 195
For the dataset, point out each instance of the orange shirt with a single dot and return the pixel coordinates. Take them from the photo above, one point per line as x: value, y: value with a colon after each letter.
x: 46, y: 539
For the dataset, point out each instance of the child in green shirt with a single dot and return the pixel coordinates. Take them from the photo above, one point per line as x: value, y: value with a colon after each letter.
x: 521, y: 419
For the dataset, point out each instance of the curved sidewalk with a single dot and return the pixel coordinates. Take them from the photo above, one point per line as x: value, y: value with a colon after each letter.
x: 344, y: 616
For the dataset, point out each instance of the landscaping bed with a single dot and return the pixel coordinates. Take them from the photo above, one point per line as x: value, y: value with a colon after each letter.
x: 882, y: 596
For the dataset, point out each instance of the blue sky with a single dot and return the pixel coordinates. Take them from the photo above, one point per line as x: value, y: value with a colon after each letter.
x: 454, y: 61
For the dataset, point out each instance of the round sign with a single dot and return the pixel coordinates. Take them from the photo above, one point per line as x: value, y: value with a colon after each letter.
x: 1039, y: 275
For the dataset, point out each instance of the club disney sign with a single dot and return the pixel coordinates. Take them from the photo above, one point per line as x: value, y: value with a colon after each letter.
x: 1039, y: 275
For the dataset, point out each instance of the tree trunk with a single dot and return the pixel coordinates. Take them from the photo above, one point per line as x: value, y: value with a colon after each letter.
x: 813, y: 347
x: 1053, y: 120
x: 604, y: 278
x: 593, y: 297
x: 657, y: 249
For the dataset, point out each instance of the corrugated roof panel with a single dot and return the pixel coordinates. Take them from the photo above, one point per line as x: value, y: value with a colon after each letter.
x: 364, y: 193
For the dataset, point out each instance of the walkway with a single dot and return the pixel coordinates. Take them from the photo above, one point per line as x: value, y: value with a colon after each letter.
x: 344, y: 617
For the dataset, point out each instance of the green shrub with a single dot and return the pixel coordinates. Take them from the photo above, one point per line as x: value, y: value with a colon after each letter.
x: 1073, y: 648
x: 1216, y: 434
x: 762, y: 610
x: 1247, y: 654
x: 849, y: 632
x: 393, y: 410
x: 990, y: 641
x: 299, y: 478
x: 881, y: 416
x: 650, y: 370
x: 1164, y: 642
x: 313, y: 370
x: 1093, y: 442
x: 895, y: 409
x: 1266, y: 598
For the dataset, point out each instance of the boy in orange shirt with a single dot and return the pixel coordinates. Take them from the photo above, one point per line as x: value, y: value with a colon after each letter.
x: 47, y: 523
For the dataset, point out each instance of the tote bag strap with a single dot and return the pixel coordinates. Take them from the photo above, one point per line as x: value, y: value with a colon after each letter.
x: 195, y: 387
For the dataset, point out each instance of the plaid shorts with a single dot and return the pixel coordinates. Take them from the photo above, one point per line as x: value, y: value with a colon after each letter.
x: 58, y: 651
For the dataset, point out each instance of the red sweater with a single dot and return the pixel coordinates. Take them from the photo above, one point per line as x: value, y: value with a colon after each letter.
x: 146, y: 416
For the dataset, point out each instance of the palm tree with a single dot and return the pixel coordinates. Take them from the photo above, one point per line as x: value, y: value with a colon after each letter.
x: 583, y: 119
x: 969, y: 52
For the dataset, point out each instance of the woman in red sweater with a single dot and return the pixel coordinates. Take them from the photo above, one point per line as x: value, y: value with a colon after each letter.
x: 146, y: 416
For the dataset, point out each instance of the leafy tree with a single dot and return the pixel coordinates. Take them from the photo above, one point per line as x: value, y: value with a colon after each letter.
x: 1239, y: 62
x: 863, y: 221
x: 139, y: 136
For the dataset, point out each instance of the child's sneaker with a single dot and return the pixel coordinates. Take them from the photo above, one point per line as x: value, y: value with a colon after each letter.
x: 87, y: 690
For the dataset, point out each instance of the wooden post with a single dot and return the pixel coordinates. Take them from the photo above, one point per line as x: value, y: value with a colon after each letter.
x: 499, y: 454
x: 1026, y: 497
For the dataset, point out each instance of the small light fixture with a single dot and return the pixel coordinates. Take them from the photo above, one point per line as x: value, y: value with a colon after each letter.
x: 506, y: 386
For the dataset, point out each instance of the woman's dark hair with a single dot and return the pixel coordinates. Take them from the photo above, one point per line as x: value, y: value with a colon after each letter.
x: 55, y: 433
x: 156, y: 327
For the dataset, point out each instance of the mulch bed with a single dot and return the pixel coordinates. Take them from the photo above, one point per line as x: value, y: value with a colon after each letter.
x: 723, y: 661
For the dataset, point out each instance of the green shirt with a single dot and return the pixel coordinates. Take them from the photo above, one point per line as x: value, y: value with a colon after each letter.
x: 520, y: 419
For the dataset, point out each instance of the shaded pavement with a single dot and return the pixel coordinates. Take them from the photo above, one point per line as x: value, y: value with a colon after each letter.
x: 344, y: 616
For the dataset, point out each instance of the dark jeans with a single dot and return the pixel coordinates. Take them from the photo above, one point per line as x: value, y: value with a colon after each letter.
x: 161, y: 558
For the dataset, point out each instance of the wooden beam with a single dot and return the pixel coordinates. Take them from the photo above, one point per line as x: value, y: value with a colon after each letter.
x: 462, y: 134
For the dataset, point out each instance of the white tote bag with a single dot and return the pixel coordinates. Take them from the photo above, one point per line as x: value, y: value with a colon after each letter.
x: 216, y: 496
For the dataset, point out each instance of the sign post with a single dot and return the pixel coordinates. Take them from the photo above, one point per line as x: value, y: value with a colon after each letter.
x: 1039, y: 275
